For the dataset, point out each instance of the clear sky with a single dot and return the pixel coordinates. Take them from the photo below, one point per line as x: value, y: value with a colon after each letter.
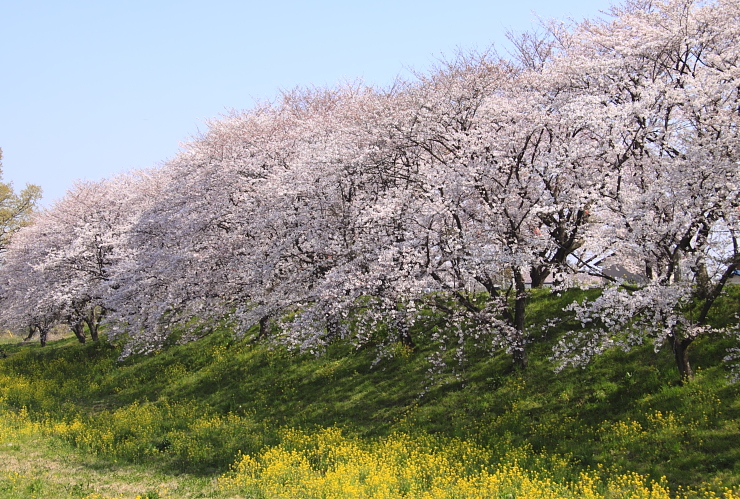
x: 92, y: 88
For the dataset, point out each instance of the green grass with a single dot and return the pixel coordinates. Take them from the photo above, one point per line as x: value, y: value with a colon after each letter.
x: 183, y: 415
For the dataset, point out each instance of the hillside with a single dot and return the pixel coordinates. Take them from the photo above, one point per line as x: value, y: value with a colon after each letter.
x: 73, y: 414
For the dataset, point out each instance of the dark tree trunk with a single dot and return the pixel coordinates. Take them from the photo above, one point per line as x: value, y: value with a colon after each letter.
x: 681, y: 354
x: 538, y: 274
x: 43, y: 333
x: 264, y: 329
x: 518, y: 347
x: 93, y: 323
x: 78, y: 328
x: 31, y: 331
x: 709, y: 295
x: 93, y: 327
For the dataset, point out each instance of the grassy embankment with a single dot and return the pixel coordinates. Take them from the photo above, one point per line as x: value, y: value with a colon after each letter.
x: 227, y: 418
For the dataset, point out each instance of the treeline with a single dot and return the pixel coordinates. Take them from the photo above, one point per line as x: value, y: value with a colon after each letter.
x: 347, y: 212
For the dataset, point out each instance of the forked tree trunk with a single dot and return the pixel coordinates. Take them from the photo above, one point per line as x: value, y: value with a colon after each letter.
x: 518, y: 349
x: 43, y: 333
x: 93, y: 323
x: 538, y: 274
x: 31, y: 331
x: 78, y: 328
x: 93, y: 327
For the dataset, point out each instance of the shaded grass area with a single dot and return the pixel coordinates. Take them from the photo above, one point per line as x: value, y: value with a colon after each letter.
x: 34, y: 466
x: 194, y: 408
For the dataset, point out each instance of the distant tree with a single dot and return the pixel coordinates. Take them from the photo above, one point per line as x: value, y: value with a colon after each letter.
x: 15, y: 209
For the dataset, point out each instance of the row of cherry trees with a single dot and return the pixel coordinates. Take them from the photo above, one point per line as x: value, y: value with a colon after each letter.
x: 341, y: 213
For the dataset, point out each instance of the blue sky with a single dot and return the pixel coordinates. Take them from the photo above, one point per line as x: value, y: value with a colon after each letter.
x: 93, y: 88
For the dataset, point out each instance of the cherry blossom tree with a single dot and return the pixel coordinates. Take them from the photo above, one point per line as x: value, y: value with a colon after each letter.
x: 27, y: 304
x: 57, y: 269
x: 251, y: 217
x: 667, y: 102
x: 498, y: 183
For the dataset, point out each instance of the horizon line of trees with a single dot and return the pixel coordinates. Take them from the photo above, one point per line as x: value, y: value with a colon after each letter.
x: 342, y: 212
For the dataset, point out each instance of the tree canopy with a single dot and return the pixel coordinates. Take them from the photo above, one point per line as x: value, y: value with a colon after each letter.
x: 344, y: 212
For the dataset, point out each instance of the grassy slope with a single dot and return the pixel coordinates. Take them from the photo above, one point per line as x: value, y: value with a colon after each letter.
x: 623, y: 412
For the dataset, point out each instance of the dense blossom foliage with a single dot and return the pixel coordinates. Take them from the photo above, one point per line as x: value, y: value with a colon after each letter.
x: 667, y: 101
x: 58, y: 269
x: 340, y: 213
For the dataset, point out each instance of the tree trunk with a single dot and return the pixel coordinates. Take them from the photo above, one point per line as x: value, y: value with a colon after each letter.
x: 78, y: 328
x: 264, y: 329
x: 93, y: 322
x: 538, y: 274
x: 31, y: 331
x: 681, y: 354
x: 93, y: 327
x: 264, y: 326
